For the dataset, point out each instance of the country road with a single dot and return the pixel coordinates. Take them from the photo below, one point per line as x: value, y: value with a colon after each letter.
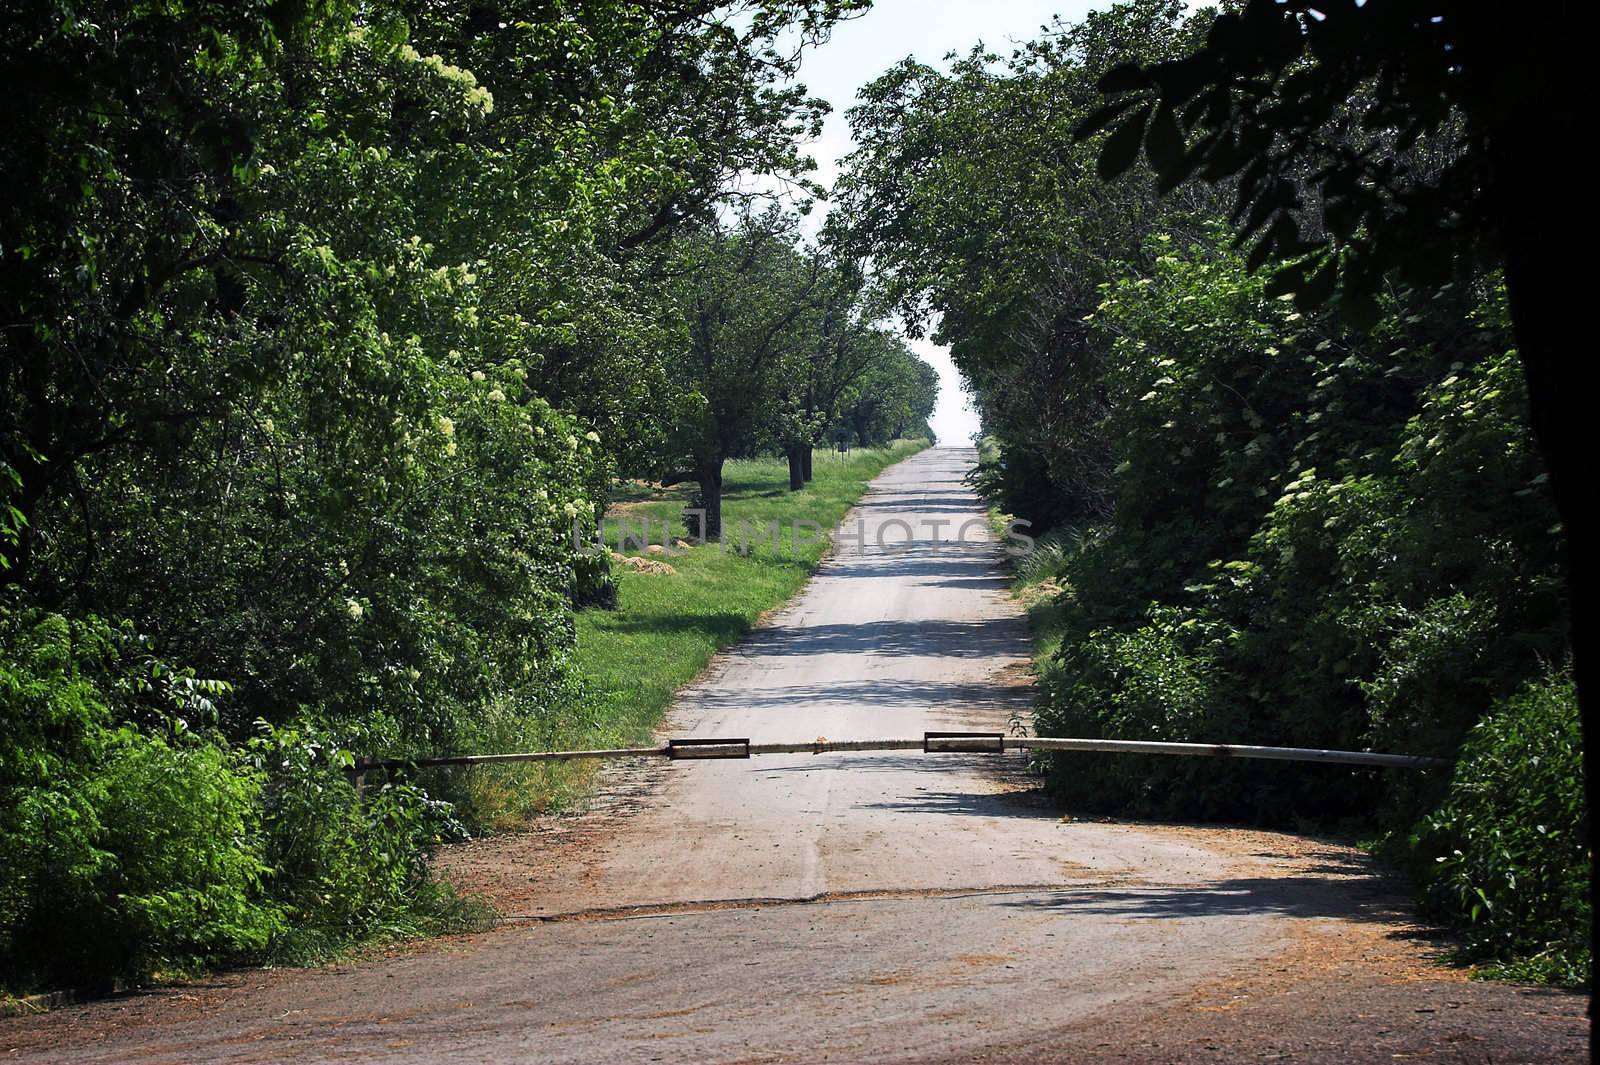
x: 902, y: 907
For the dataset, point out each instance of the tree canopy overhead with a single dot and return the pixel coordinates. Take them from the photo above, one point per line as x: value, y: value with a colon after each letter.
x: 1361, y: 137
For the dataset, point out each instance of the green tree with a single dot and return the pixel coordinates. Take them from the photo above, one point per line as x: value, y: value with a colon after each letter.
x: 894, y: 396
x: 742, y: 294
x: 989, y: 228
x: 1314, y: 112
x: 618, y: 127
x: 842, y: 345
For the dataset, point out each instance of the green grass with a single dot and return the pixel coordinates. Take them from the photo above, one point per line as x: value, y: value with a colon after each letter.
x: 1036, y: 586
x: 1036, y: 583
x: 667, y: 627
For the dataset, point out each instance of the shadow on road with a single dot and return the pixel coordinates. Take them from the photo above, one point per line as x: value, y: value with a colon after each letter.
x: 996, y: 638
x: 1347, y: 894
x: 897, y: 694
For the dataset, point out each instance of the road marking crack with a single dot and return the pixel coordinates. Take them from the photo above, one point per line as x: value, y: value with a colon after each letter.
x: 671, y: 909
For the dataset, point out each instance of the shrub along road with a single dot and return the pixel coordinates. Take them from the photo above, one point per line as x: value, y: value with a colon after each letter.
x: 854, y: 907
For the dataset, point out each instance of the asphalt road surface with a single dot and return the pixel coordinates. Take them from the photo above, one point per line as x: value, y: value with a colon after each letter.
x: 869, y: 907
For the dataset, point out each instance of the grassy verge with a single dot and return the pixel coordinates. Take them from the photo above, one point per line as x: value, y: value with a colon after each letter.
x: 1040, y: 596
x: 1034, y: 583
x: 667, y: 627
x: 1036, y: 588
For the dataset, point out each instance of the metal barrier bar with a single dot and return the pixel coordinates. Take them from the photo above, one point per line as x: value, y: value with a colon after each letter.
x: 677, y: 749
x: 367, y: 764
x: 1228, y: 750
x: 963, y: 742
x: 931, y: 743
x: 821, y: 746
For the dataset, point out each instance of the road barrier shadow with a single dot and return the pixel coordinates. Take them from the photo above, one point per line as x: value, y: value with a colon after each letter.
x: 1367, y: 897
x: 999, y: 638
x: 910, y: 695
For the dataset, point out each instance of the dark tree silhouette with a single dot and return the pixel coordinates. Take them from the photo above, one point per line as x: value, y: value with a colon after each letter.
x: 1402, y: 139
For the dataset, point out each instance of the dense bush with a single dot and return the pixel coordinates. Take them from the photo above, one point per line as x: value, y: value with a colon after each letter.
x: 347, y: 865
x: 1352, y: 565
x: 1318, y: 538
x: 274, y: 409
x: 125, y: 849
x: 1512, y: 861
x: 137, y: 839
x: 400, y: 570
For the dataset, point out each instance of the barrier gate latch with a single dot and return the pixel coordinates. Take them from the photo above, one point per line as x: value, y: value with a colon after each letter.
x: 976, y: 742
x: 701, y: 748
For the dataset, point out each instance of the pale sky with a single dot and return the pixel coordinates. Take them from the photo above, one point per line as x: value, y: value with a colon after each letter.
x: 865, y: 47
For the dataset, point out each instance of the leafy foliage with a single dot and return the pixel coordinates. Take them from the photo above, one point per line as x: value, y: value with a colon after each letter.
x: 970, y: 198
x: 1358, y: 136
x: 1299, y: 554
x: 1410, y: 139
x: 325, y: 324
x: 1512, y: 837
x: 347, y: 866
x: 93, y: 884
x: 139, y: 840
x: 781, y: 347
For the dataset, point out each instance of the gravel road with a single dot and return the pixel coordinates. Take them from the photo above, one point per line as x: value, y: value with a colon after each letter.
x: 900, y: 907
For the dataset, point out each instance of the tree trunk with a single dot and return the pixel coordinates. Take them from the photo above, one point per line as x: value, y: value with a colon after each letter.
x: 797, y: 468
x: 708, y: 475
x: 1546, y: 306
x: 1540, y: 151
x: 805, y: 462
